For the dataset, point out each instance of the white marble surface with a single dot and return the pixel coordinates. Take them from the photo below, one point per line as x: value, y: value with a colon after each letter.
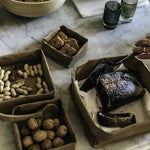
x: 17, y: 34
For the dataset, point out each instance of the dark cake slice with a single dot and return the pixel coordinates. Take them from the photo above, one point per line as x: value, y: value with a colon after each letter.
x: 118, y: 88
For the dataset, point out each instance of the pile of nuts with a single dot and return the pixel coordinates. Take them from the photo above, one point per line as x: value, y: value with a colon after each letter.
x: 11, y: 88
x: 43, y: 134
x: 35, y: 70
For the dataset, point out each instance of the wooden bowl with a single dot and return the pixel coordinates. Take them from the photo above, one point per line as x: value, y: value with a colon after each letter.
x: 32, y: 9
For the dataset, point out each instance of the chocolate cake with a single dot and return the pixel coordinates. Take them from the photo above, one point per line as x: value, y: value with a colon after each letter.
x: 116, y: 120
x: 118, y: 88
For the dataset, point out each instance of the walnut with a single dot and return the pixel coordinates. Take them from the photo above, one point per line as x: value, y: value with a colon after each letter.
x: 50, y: 134
x: 25, y: 131
x: 58, y: 141
x: 48, y: 124
x: 32, y: 123
x: 34, y: 147
x: 39, y: 121
x: 39, y: 136
x: 56, y: 122
x: 27, y: 141
x: 61, y: 131
x: 46, y: 144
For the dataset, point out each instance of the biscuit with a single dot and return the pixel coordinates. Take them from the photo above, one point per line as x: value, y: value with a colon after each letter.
x: 56, y: 42
x: 73, y: 43
x: 68, y: 50
x: 62, y: 35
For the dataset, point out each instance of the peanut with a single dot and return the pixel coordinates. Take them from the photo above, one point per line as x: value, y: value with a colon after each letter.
x: 45, y: 87
x: 22, y: 91
x: 1, y: 95
x: 7, y: 93
x: 26, y: 68
x: 20, y: 73
x: 31, y: 71
x: 39, y: 80
x: 7, y: 84
x: 6, y: 76
x: 38, y: 85
x: 40, y: 69
x: 40, y: 91
x: 19, y: 84
x: 35, y: 69
x: 25, y: 75
x: 29, y: 89
x: 13, y: 92
x: 7, y: 97
x: 6, y: 89
x: 2, y: 72
x: 1, y: 86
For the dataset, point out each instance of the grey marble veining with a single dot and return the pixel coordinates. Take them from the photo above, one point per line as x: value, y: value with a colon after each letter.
x: 17, y: 34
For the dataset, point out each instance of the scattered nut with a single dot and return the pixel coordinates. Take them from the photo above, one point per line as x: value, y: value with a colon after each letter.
x: 34, y: 147
x: 22, y: 91
x: 39, y: 136
x: 7, y: 83
x: 40, y: 69
x: 46, y: 144
x: 31, y: 71
x: 40, y: 91
x: 6, y: 75
x: 35, y: 69
x: 2, y: 72
x: 19, y: 84
x: 13, y: 92
x: 20, y: 73
x: 25, y: 131
x: 26, y: 68
x: 39, y: 121
x: 25, y: 75
x: 56, y: 122
x: 48, y: 124
x: 32, y: 123
x: 45, y: 87
x: 7, y: 93
x: 7, y: 97
x: 50, y: 134
x: 27, y: 141
x: 61, y: 131
x: 58, y: 142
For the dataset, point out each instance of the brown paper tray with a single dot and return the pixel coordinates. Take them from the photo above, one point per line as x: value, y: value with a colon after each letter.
x: 96, y: 136
x: 59, y: 57
x: 36, y: 106
x: 8, y: 61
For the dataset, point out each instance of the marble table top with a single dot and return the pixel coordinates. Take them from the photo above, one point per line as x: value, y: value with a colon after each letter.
x: 18, y: 34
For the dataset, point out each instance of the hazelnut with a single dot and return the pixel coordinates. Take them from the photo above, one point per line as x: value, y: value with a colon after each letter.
x: 58, y: 141
x: 34, y: 147
x: 46, y: 144
x: 25, y: 131
x: 56, y: 122
x: 32, y: 123
x: 48, y: 124
x: 39, y: 136
x: 27, y: 141
x: 61, y: 131
x: 50, y: 134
